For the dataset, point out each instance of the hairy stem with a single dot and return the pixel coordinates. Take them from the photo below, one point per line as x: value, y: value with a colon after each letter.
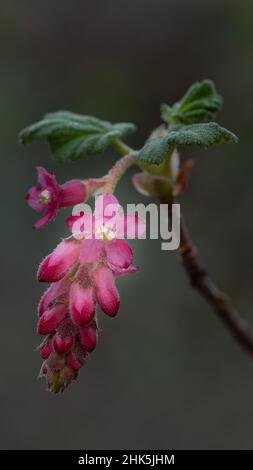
x: 117, y: 171
x: 220, y: 302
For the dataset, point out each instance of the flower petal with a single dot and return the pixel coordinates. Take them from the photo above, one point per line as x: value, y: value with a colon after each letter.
x: 119, y: 254
x: 63, y: 345
x: 102, y: 209
x: 138, y: 184
x: 134, y: 226
x: 73, y: 362
x: 81, y: 225
x: 82, y: 307
x: 88, y: 337
x: 57, y: 291
x: 46, y: 179
x: 72, y: 192
x: 50, y: 215
x: 32, y: 198
x: 55, y: 265
x: 71, y: 220
x: 106, y: 291
x: 46, y: 349
x: 91, y: 250
x: 51, y: 319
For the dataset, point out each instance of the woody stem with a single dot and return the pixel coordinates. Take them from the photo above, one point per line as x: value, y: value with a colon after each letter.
x: 220, y: 302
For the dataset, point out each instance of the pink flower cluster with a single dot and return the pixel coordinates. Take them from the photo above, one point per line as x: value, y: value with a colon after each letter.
x: 82, y: 273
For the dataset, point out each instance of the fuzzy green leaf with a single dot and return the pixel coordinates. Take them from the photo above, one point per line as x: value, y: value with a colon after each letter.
x: 71, y: 135
x: 204, y: 135
x: 200, y: 103
x: 156, y: 150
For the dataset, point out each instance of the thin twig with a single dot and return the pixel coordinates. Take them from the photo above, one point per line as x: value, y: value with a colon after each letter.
x: 220, y: 302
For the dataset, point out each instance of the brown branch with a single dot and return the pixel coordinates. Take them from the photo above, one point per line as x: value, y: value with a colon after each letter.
x: 220, y: 302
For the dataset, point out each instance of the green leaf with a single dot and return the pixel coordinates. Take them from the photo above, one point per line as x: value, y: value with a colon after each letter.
x: 204, y: 135
x: 71, y: 135
x: 200, y: 103
x: 156, y: 150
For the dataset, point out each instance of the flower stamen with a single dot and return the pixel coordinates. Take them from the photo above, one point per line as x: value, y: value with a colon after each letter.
x: 45, y: 197
x: 105, y: 233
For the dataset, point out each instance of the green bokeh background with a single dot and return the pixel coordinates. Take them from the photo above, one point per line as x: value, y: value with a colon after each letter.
x: 165, y: 374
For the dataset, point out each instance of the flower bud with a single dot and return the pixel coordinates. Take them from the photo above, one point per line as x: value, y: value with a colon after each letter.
x: 82, y: 307
x: 106, y: 291
x: 63, y: 345
x: 51, y: 319
x: 55, y: 265
x: 88, y: 337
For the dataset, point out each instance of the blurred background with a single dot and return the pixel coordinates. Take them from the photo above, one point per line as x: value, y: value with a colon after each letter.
x: 165, y: 374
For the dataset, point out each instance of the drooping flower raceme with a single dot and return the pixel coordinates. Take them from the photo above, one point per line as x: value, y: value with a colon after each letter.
x: 83, y: 268
x: 82, y: 272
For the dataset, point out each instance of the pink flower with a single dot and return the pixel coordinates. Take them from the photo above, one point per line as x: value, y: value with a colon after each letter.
x: 107, y: 223
x: 83, y: 274
x: 49, y: 196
